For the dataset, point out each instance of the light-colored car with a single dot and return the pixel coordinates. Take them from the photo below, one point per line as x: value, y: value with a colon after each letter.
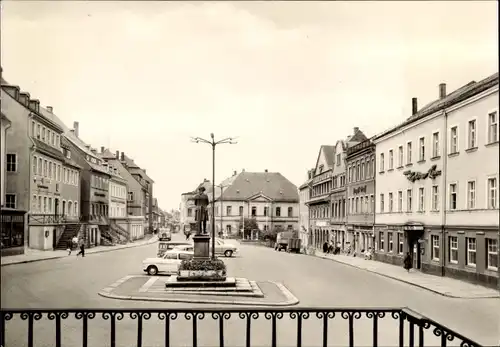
x: 168, y: 264
x: 221, y: 248
x: 182, y: 248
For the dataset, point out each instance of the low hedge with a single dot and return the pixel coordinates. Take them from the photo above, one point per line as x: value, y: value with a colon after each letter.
x: 203, y: 265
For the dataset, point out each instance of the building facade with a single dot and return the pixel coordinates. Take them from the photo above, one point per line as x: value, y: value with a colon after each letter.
x: 305, y: 233
x: 436, y: 185
x: 337, y: 197
x: 268, y: 197
x: 360, y: 162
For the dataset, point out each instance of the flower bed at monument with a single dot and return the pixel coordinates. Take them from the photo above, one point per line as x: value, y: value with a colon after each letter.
x: 202, y: 269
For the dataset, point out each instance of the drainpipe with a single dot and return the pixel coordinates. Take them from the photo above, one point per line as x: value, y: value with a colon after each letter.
x: 443, y: 193
x: 30, y: 167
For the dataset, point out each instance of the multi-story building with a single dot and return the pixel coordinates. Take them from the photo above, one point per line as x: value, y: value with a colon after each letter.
x: 437, y: 185
x: 188, y: 211
x: 305, y: 233
x: 155, y: 214
x: 268, y: 197
x: 142, y: 205
x: 360, y: 162
x: 134, y: 199
x: 34, y: 147
x: 319, y: 195
x: 12, y: 221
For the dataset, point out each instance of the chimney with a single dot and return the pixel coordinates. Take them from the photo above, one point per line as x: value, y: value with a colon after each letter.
x: 50, y: 109
x: 414, y: 106
x: 234, y: 173
x: 356, y: 129
x: 442, y: 90
x: 76, y: 127
x: 102, y: 149
x: 265, y: 170
x: 117, y: 154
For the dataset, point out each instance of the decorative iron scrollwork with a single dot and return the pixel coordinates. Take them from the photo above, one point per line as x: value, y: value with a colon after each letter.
x: 167, y: 315
x: 327, y: 314
x: 112, y: 315
x: 350, y: 314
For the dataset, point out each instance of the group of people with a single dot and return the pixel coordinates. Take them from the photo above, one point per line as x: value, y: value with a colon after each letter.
x: 73, y: 244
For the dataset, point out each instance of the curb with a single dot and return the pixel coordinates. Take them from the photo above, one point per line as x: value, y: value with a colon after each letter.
x: 408, y: 282
x: 153, y: 240
x: 107, y: 293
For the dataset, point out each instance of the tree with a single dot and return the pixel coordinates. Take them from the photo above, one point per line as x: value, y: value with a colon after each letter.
x: 249, y: 224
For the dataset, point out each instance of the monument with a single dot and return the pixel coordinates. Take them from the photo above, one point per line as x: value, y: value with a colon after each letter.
x: 201, y: 239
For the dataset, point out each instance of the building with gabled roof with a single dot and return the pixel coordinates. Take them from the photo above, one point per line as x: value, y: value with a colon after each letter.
x: 268, y: 197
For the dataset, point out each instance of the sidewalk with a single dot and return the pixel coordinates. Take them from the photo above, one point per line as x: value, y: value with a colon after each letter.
x: 33, y: 255
x: 441, y: 285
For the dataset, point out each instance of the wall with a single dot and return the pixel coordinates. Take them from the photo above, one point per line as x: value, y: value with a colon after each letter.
x: 3, y: 133
x: 39, y: 241
x: 117, y: 199
x: 71, y: 192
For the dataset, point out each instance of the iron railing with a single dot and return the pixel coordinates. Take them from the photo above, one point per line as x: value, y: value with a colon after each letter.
x: 46, y: 219
x: 409, y: 328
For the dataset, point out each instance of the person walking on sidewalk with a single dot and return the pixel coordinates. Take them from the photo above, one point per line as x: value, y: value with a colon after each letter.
x: 325, y: 247
x: 407, y: 263
x: 82, y: 249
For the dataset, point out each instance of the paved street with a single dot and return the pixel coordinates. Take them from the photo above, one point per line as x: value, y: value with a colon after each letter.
x: 73, y: 282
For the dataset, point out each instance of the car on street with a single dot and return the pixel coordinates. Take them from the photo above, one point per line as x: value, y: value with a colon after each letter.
x: 221, y: 248
x: 167, y: 264
x: 165, y: 234
x: 169, y: 245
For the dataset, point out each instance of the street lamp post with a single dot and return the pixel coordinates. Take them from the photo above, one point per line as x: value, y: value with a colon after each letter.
x: 213, y: 143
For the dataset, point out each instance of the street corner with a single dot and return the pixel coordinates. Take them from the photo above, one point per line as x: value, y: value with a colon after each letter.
x: 152, y: 288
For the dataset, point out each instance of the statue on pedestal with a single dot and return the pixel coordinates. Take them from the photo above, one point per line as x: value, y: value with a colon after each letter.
x: 201, y: 203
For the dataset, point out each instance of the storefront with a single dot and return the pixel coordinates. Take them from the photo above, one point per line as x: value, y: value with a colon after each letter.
x: 13, y: 231
x: 361, y: 237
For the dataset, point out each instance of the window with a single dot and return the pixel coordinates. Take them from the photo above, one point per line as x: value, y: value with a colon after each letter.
x: 45, y: 168
x: 381, y: 203
x: 76, y: 208
x: 11, y: 162
x: 50, y: 169
x: 471, y: 251
x: 240, y: 211
x: 421, y: 151
x: 400, y: 243
x: 190, y: 212
x: 409, y: 197
x: 372, y: 208
x: 453, y: 196
x: 435, y: 198
x: 266, y: 211
x: 400, y: 156
x: 421, y: 199
x: 471, y: 134
x: 290, y: 212
x: 390, y: 202
x: 453, y: 247
x: 228, y: 229
x: 366, y: 204
x: 381, y: 241
x: 362, y: 204
x: 229, y: 210
x: 254, y: 211
x: 381, y: 162
x: 38, y: 131
x: 45, y: 205
x: 492, y: 193
x: 435, y: 144
x: 389, y: 240
x: 408, y: 153
x: 492, y: 251
x: 278, y: 211
x: 358, y: 176
x: 435, y: 247
x: 33, y: 128
x: 44, y: 132
x: 349, y: 174
x: 391, y: 160
x: 10, y: 200
x: 493, y: 127
x: 471, y: 194
x: 373, y: 167
x: 50, y: 205
x: 40, y: 166
x: 338, y: 159
x: 454, y: 140
x: 400, y: 201
x: 35, y: 165
x: 362, y: 171
x: 131, y: 198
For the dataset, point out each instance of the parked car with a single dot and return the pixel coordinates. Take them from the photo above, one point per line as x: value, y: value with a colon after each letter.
x: 168, y: 264
x: 183, y: 248
x: 289, y: 241
x: 224, y: 248
x: 169, y: 245
x: 165, y: 234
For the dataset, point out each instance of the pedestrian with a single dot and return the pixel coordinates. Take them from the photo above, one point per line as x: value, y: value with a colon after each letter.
x: 407, y: 263
x: 325, y: 247
x: 330, y: 247
x: 82, y: 250
x: 70, y: 246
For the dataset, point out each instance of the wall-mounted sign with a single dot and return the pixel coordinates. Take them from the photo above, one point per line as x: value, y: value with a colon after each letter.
x: 413, y: 176
x: 100, y: 194
x: 413, y: 227
x: 41, y: 186
x: 358, y: 190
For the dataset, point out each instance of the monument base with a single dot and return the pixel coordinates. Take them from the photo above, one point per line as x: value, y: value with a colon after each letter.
x: 201, y: 246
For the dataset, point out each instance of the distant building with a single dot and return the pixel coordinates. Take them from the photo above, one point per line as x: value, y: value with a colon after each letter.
x: 268, y: 197
x: 305, y: 233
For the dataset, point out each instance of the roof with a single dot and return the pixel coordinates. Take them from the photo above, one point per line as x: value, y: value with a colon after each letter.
x: 463, y: 93
x: 49, y: 150
x: 329, y: 154
x: 130, y: 164
x: 271, y: 184
x: 305, y: 184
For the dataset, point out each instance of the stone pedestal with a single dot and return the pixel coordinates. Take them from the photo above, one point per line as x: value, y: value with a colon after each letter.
x: 201, y: 246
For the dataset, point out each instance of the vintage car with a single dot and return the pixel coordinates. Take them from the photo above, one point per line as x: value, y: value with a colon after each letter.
x: 221, y: 248
x: 164, y: 246
x: 165, y: 234
x: 167, y: 264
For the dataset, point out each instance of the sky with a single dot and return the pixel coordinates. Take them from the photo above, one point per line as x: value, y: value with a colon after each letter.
x: 282, y: 77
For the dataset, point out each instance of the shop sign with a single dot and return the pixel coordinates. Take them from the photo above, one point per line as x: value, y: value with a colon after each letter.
x: 321, y: 224
x: 413, y: 227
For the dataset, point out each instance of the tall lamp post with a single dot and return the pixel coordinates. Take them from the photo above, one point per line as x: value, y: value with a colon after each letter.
x: 213, y: 143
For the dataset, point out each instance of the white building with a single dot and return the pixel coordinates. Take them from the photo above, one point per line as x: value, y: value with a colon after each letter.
x: 305, y: 233
x: 425, y: 172
x: 5, y: 124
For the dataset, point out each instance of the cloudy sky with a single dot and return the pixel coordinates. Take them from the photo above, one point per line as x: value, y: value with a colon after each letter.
x: 285, y: 77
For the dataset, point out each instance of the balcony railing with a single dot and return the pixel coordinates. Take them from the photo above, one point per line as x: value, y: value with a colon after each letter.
x: 290, y: 326
x: 46, y: 219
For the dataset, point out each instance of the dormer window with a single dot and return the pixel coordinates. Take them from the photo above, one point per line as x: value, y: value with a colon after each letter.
x: 87, y: 157
x: 68, y: 154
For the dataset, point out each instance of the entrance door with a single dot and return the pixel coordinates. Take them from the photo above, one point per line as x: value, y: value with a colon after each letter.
x: 54, y: 238
x: 56, y: 206
x: 417, y: 255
